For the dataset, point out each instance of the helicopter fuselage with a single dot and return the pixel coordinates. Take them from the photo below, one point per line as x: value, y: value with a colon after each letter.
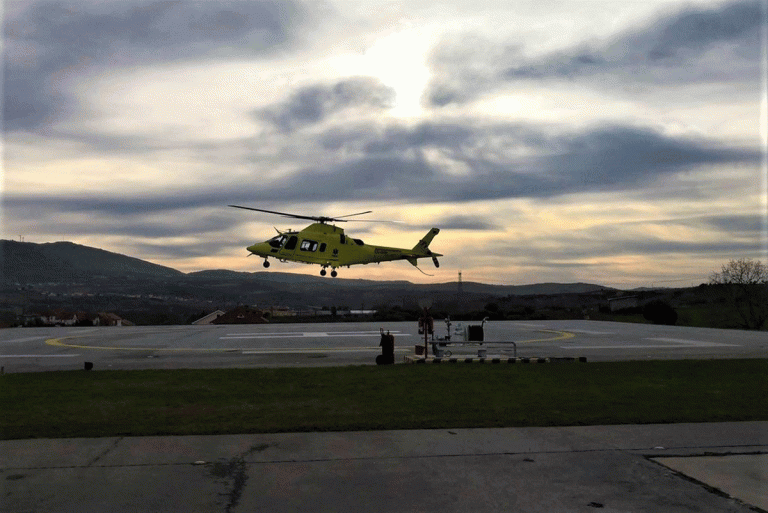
x: 328, y: 246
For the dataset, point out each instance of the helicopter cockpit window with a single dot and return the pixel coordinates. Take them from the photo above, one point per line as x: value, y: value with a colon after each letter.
x: 278, y: 241
x: 291, y: 244
x: 308, y: 245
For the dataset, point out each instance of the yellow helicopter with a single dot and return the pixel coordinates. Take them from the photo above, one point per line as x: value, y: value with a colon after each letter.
x: 326, y: 245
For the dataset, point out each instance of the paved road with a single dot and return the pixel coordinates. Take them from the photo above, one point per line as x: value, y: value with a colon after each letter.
x: 570, y: 469
x: 40, y: 349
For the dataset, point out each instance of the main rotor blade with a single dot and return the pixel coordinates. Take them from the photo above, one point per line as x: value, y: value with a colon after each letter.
x: 321, y: 219
x: 371, y: 221
x: 361, y: 220
x: 358, y: 214
x: 277, y: 213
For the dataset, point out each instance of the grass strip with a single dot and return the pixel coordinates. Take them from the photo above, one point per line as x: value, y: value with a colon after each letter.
x: 186, y: 402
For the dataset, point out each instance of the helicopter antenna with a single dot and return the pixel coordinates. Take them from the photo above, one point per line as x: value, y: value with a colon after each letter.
x: 422, y: 272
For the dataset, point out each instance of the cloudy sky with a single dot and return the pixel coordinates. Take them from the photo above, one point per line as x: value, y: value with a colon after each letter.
x: 621, y: 143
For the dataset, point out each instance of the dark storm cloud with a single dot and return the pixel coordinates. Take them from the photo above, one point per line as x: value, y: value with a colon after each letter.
x: 398, y: 164
x: 696, y: 31
x: 312, y: 104
x: 397, y: 139
x: 669, y: 50
x: 730, y: 228
x: 498, y: 162
x: 738, y: 225
x: 136, y: 225
x: 208, y: 248
x: 608, y: 157
x: 467, y: 222
x: 49, y: 44
x: 369, y: 178
x: 125, y: 206
x: 620, y: 239
x: 653, y: 245
x: 669, y: 42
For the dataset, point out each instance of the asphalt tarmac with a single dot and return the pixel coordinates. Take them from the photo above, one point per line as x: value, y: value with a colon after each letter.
x: 649, y: 468
x: 671, y: 468
x: 331, y: 344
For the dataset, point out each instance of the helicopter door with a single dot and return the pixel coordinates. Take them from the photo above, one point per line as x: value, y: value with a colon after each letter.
x: 291, y: 244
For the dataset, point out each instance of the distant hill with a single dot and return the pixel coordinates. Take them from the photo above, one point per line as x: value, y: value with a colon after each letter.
x: 27, y: 262
x: 102, y: 272
x: 526, y: 290
x: 63, y: 275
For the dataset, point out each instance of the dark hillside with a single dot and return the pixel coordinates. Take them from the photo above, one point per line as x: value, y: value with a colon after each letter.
x: 26, y: 262
x: 64, y: 275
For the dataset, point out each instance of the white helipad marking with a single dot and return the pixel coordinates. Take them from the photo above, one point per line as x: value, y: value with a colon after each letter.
x: 27, y: 339
x: 37, y: 355
x: 310, y: 334
x: 627, y: 346
x: 280, y: 350
x: 697, y: 343
x: 672, y: 343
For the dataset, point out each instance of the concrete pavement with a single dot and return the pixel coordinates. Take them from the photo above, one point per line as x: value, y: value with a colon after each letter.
x: 564, y: 469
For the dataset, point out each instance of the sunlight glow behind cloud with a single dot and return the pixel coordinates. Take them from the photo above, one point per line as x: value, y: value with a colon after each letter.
x: 617, y: 143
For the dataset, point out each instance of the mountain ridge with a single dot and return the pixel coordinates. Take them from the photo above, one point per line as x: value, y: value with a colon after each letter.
x: 27, y: 262
x: 63, y: 260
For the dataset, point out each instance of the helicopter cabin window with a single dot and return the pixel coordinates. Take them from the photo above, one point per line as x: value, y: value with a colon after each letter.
x: 308, y: 245
x: 342, y: 238
x: 278, y: 241
x: 358, y: 242
x: 291, y: 244
x: 322, y: 247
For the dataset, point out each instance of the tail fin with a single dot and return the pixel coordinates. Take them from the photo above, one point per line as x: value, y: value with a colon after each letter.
x: 423, y: 245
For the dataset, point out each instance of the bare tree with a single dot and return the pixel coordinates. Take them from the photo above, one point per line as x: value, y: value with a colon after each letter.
x: 747, y: 281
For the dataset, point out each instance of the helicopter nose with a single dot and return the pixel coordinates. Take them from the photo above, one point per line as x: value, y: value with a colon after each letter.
x: 256, y: 249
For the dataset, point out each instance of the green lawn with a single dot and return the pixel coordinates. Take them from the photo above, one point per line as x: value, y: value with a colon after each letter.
x: 132, y: 403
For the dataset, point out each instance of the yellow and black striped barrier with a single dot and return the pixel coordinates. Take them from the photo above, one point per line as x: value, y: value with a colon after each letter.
x: 472, y: 359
